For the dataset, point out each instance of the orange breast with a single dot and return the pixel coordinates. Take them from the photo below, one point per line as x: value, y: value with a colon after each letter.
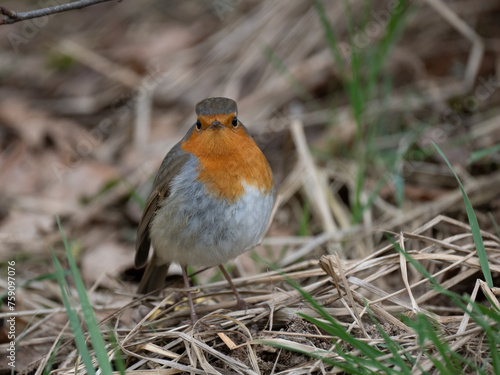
x: 229, y: 158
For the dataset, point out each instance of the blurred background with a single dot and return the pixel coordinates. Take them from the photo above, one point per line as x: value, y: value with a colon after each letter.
x: 91, y: 101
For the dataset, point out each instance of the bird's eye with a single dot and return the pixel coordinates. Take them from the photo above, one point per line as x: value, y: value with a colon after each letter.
x: 235, y: 122
x: 198, y: 124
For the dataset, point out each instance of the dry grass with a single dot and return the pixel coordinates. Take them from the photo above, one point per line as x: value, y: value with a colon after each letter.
x: 225, y: 340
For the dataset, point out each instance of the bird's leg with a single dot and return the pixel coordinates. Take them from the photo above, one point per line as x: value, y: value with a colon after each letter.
x: 240, y: 302
x: 194, y: 317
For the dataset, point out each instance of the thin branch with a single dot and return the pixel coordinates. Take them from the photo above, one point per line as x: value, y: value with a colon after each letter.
x: 13, y: 17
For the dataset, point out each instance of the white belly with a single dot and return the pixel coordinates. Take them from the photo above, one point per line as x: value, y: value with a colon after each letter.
x: 192, y: 228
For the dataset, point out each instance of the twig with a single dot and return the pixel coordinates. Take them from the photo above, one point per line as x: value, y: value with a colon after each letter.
x: 13, y: 17
x: 101, y: 64
x: 477, y: 51
x: 313, y: 183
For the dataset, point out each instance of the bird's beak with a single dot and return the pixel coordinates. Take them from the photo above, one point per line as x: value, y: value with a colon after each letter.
x: 216, y: 125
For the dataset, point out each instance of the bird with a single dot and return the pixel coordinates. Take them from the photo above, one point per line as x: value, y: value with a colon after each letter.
x: 211, y: 200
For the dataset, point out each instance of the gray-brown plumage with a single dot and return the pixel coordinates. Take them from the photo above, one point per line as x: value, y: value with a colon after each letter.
x: 216, y: 106
x: 154, y: 275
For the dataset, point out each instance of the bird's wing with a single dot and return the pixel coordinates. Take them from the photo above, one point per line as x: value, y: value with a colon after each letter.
x: 169, y: 168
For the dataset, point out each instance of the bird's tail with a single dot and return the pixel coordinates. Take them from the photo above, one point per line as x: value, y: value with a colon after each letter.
x: 153, y: 278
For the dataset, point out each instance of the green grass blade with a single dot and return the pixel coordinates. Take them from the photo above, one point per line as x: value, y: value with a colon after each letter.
x: 50, y: 361
x: 346, y: 366
x: 425, y: 332
x: 357, y: 210
x: 304, y: 222
x: 495, y: 224
x: 459, y: 301
x: 495, y: 353
x: 373, y: 195
x: 74, y: 322
x: 329, y: 33
x: 134, y: 195
x: 393, y: 347
x: 118, y: 359
x: 478, y: 155
x: 477, y: 313
x: 394, y: 30
x: 474, y: 225
x: 492, y: 312
x: 462, y: 362
x: 335, y: 329
x: 88, y: 313
x: 441, y: 346
x: 280, y: 66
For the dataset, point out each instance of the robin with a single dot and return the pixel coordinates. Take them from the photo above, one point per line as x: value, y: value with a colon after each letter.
x: 211, y: 201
